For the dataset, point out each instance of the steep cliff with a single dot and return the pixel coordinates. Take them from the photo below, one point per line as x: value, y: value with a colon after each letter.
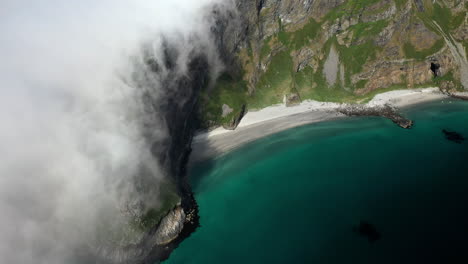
x: 169, y: 80
x: 340, y: 51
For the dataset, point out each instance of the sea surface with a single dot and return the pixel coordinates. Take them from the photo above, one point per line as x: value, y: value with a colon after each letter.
x: 297, y: 196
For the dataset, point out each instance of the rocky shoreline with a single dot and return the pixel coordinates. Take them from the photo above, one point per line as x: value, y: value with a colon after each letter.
x: 461, y: 96
x: 386, y: 111
x: 185, y: 217
x: 273, y: 119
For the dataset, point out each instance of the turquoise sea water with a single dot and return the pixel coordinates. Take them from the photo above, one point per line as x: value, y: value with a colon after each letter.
x: 294, y: 197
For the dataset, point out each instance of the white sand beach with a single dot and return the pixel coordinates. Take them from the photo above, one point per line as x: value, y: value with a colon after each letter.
x: 273, y: 119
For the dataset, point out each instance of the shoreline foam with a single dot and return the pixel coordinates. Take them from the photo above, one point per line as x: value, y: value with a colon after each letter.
x: 277, y: 118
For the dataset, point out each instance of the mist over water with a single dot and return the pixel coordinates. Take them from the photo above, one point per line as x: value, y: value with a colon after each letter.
x: 75, y: 129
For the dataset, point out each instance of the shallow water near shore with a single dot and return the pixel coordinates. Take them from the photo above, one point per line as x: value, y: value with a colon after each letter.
x: 294, y: 197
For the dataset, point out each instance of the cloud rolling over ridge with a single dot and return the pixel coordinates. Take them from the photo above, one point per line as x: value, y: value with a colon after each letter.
x: 71, y: 136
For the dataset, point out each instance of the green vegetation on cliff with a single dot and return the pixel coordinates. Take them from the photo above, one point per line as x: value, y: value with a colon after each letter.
x: 303, y: 36
x: 411, y: 52
x: 227, y: 91
x: 169, y: 199
x: 444, y: 17
x: 347, y: 8
x: 380, y: 46
x: 274, y: 83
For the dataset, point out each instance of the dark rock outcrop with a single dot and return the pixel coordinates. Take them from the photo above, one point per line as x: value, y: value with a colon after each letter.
x: 180, y: 115
x: 368, y: 230
x: 384, y: 111
x: 453, y: 136
x: 170, y: 99
x: 236, y: 119
x: 461, y: 96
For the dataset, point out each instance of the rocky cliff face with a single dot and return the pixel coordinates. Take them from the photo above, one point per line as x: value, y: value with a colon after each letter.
x: 342, y: 51
x: 169, y: 80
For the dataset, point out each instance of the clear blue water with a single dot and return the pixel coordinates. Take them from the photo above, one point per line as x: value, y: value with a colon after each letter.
x: 294, y: 197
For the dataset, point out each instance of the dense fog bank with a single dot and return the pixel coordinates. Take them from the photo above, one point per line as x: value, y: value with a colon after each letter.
x: 84, y: 87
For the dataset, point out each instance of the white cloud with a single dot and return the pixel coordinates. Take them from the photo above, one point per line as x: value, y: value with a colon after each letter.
x: 70, y: 128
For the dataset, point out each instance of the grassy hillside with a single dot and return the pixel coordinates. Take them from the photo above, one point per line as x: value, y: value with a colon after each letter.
x: 382, y: 45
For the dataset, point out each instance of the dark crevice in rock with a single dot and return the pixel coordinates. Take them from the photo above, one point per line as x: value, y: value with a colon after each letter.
x: 435, y: 68
x: 419, y: 5
x: 260, y: 5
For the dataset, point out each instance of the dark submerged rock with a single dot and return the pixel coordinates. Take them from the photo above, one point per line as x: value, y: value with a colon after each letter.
x: 453, y: 136
x: 367, y: 230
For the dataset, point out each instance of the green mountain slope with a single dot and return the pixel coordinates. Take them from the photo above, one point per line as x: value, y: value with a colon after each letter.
x: 340, y: 51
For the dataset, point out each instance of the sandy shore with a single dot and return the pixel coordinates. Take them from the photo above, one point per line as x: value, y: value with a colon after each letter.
x: 405, y: 98
x: 277, y: 118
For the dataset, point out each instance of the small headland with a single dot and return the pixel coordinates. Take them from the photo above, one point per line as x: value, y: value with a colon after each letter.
x: 386, y: 111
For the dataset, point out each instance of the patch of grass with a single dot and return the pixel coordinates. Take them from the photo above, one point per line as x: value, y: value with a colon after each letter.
x: 274, y: 82
x: 226, y: 91
x: 369, y: 29
x: 356, y: 56
x: 449, y: 77
x: 283, y: 36
x: 303, y: 36
x: 400, y: 3
x: 353, y: 58
x: 314, y: 86
x: 169, y: 198
x: 348, y: 9
x: 324, y: 93
x: 457, y: 20
x: 411, y: 52
x: 249, y: 50
x: 305, y: 81
x: 361, y: 84
x: 266, y: 49
x: 443, y: 16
